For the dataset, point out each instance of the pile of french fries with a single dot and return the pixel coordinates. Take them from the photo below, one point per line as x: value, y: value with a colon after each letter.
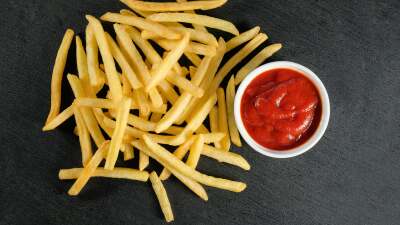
x: 151, y: 98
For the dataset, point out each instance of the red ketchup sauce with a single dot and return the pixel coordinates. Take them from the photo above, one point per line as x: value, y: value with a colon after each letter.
x: 281, y: 109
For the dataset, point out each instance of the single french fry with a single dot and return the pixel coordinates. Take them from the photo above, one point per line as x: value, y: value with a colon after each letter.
x: 242, y: 38
x: 117, y: 172
x: 123, y: 63
x: 190, y: 183
x: 196, y: 119
x: 172, y: 57
x: 223, y: 120
x: 195, y: 152
x: 126, y: 87
x: 192, y: 47
x: 90, y: 168
x: 147, y: 125
x: 161, y: 196
x: 60, y: 118
x: 92, y: 57
x: 141, y: 23
x: 143, y: 161
x: 87, y: 113
x: 196, y: 26
x: 173, y: 6
x: 84, y: 137
x: 116, y: 140
x: 213, y: 119
x: 127, y: 149
x: 256, y: 61
x: 105, y: 52
x: 127, y: 12
x: 198, y: 35
x: 136, y: 59
x: 81, y: 62
x: 173, y: 114
x: 56, y: 77
x: 210, y: 73
x: 169, y: 159
x: 226, y: 157
x: 207, y: 21
x: 230, y: 98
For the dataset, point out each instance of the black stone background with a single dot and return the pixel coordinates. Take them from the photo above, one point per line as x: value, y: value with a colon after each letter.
x: 351, y: 177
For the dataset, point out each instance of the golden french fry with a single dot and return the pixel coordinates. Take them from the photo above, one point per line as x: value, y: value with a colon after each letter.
x: 90, y: 168
x: 195, y: 152
x: 127, y: 12
x: 168, y: 91
x: 105, y: 52
x: 56, y: 77
x: 117, y: 172
x: 59, y: 119
x: 143, y: 161
x: 197, y: 27
x: 192, y: 47
x: 223, y: 120
x: 172, y: 57
x: 141, y: 23
x: 84, y: 137
x: 127, y: 149
x: 81, y: 63
x: 242, y: 38
x: 168, y: 158
x: 173, y: 114
x: 161, y: 196
x: 256, y: 61
x: 207, y: 21
x: 230, y: 98
x: 89, y: 118
x: 173, y: 6
x: 213, y: 119
x: 92, y: 57
x: 190, y: 183
x: 116, y: 140
x: 198, y: 35
x: 146, y: 125
x: 226, y: 157
x: 123, y: 63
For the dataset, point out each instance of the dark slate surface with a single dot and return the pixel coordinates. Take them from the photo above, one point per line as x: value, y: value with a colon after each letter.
x: 351, y: 177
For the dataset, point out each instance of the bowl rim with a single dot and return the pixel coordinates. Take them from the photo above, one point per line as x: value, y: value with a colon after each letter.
x: 325, y: 114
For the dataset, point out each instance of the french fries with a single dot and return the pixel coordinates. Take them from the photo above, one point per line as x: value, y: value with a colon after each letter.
x: 56, y: 77
x: 117, y: 172
x: 161, y: 196
x: 149, y: 100
x: 242, y: 38
x: 230, y: 98
x: 222, y: 120
x: 173, y: 6
x: 207, y: 21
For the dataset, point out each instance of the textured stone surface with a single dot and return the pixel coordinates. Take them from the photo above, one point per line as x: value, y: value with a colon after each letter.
x: 351, y: 177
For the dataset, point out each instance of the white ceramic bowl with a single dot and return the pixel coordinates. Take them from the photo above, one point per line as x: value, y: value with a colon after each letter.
x: 324, y: 114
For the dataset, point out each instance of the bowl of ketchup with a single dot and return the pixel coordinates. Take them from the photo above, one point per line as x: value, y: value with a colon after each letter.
x: 282, y: 109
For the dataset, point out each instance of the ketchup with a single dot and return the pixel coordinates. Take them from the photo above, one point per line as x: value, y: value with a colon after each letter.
x: 281, y: 109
